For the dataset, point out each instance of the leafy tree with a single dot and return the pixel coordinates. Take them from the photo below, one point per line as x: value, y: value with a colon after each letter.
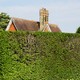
x: 78, y: 30
x: 4, y: 20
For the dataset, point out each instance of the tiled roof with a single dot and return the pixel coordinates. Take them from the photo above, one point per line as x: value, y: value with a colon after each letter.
x: 28, y: 25
x: 54, y: 28
x: 22, y: 24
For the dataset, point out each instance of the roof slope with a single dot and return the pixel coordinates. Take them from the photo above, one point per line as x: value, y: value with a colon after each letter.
x: 28, y: 25
x: 54, y: 28
x: 22, y: 24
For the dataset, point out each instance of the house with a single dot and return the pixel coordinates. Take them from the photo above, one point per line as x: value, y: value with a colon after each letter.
x: 17, y: 24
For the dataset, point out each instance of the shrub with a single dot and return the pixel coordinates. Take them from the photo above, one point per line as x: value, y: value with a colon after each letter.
x: 78, y: 30
x: 39, y: 56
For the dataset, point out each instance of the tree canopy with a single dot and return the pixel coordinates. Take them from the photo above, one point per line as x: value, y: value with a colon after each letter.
x: 4, y: 20
x: 78, y: 30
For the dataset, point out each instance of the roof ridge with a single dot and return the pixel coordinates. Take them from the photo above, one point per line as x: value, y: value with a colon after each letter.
x: 23, y: 19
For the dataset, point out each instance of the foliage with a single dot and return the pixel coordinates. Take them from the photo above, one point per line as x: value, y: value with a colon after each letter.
x: 4, y: 20
x: 78, y: 30
x: 39, y: 56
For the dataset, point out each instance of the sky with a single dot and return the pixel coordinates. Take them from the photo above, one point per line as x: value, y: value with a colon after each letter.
x: 64, y: 13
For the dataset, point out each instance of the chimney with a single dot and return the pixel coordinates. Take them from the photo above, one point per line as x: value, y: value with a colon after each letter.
x: 43, y: 18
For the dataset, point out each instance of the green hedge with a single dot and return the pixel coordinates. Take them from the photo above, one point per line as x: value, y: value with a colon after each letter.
x: 39, y: 56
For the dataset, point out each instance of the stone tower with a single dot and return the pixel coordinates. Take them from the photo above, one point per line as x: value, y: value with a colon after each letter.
x: 43, y: 18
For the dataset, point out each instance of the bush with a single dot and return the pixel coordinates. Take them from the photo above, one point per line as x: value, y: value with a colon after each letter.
x: 39, y: 56
x: 78, y: 30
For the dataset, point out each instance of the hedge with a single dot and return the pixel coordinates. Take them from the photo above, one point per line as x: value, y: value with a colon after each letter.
x: 39, y: 56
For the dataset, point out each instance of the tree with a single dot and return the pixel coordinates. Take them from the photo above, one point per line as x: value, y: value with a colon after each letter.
x: 78, y: 30
x: 4, y: 20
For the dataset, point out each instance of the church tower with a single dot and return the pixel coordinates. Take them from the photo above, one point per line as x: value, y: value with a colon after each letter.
x: 43, y: 18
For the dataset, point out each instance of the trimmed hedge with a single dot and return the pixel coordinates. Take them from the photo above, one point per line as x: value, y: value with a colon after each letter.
x: 39, y: 56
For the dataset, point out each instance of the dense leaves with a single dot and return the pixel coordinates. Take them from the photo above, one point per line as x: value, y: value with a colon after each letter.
x: 39, y: 56
x: 78, y: 30
x: 4, y: 20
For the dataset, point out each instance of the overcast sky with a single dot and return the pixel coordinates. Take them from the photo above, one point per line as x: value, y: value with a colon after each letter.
x: 64, y: 13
